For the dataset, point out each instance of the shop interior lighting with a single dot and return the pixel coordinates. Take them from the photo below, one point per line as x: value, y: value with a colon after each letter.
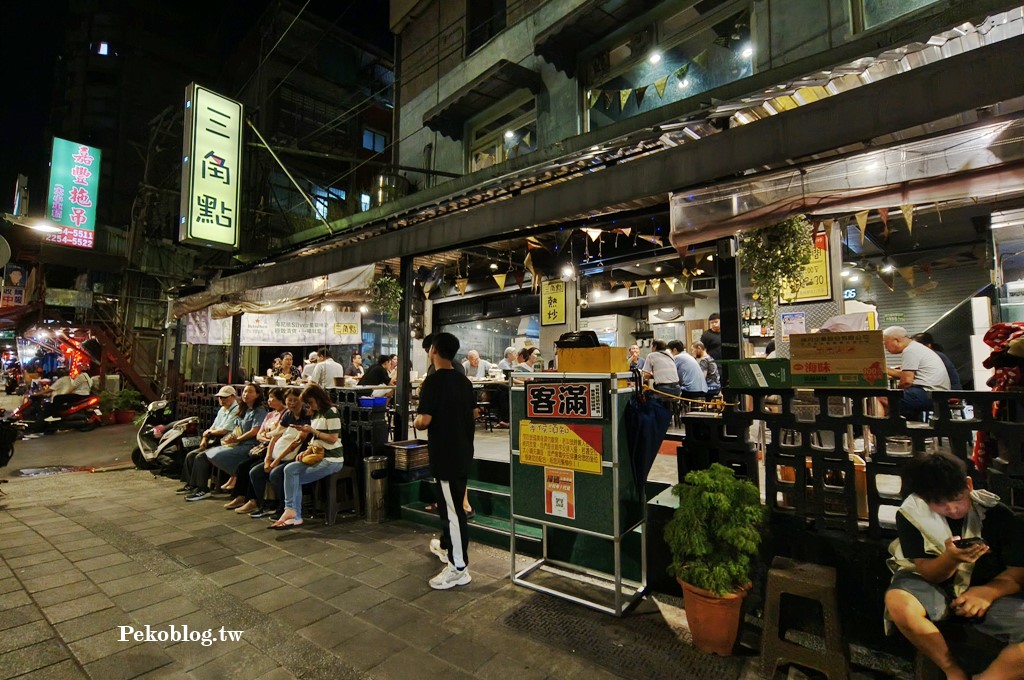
x: 747, y: 52
x: 494, y: 266
x: 854, y: 278
x: 845, y: 273
x: 509, y: 134
x: 567, y: 271
x: 654, y: 58
x: 363, y: 309
x: 328, y: 308
x: 657, y: 269
x: 45, y: 227
x: 684, y: 83
x: 887, y: 268
x: 711, y: 258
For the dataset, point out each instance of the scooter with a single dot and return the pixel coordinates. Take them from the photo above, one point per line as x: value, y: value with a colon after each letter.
x: 82, y: 412
x: 9, y: 432
x: 163, y: 442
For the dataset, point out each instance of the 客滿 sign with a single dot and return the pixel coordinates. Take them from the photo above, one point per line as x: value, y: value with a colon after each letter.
x: 564, y: 400
x: 211, y: 169
x: 816, y: 277
x: 854, y: 359
x: 71, y: 203
x: 569, y: 446
x: 552, y: 303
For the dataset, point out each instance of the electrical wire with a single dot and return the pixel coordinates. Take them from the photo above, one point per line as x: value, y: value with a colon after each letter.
x: 267, y: 55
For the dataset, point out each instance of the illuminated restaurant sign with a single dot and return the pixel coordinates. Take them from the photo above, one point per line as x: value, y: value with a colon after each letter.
x: 211, y: 169
x: 74, y: 184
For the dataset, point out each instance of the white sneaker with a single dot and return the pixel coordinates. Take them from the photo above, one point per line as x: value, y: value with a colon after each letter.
x: 450, y: 577
x: 435, y: 547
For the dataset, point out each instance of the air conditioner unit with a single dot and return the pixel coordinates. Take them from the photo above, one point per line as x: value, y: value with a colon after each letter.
x: 706, y: 283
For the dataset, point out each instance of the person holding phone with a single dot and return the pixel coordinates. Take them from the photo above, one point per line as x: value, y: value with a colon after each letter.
x: 959, y: 553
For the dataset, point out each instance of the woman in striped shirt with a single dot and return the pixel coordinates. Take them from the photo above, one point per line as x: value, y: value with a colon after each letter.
x: 324, y: 431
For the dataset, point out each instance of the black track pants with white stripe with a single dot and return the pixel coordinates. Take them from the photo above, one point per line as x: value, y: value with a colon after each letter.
x: 455, y: 537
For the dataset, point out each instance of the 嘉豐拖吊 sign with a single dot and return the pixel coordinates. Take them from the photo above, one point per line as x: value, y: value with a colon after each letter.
x: 569, y: 446
x: 564, y: 400
x: 552, y: 303
x: 211, y: 169
x: 74, y: 185
x: 854, y: 359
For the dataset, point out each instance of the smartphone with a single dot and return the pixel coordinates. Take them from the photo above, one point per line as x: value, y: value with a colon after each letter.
x: 968, y: 542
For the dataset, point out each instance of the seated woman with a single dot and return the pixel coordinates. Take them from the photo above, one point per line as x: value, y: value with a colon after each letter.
x: 285, y: 443
x: 242, y: 500
x: 235, y: 446
x: 323, y: 431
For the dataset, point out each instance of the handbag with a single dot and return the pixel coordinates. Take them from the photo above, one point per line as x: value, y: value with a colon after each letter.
x: 311, y: 456
x: 258, y: 450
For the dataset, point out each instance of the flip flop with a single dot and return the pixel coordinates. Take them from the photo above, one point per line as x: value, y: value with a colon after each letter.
x: 288, y: 524
x: 431, y: 508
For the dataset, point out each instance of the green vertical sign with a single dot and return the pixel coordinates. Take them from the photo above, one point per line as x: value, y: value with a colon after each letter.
x: 74, y: 186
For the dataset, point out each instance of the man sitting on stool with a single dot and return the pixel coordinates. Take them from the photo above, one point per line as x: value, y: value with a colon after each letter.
x: 921, y: 372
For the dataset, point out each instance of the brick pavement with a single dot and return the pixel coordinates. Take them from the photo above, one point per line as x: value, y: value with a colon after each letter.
x: 85, y: 553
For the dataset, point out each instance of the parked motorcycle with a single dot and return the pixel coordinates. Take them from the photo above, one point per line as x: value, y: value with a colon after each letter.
x: 12, y: 380
x: 80, y: 412
x: 162, y: 442
x: 9, y: 432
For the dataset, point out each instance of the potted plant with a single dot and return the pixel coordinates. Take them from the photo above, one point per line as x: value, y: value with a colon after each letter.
x: 774, y: 258
x: 713, y: 538
x: 126, y: 404
x: 107, y: 401
x: 386, y: 295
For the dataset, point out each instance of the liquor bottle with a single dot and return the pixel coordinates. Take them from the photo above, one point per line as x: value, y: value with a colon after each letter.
x: 746, y: 312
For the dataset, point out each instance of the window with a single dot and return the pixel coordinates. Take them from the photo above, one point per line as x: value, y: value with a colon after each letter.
x: 877, y: 12
x: 484, y: 20
x: 373, y: 140
x: 509, y: 134
x: 364, y: 202
x: 322, y: 199
x: 103, y: 49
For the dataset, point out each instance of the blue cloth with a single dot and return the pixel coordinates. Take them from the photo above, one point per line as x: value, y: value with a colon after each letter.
x: 691, y: 375
x: 915, y: 401
x: 954, y: 376
x: 296, y: 474
x: 226, y: 418
x: 229, y: 456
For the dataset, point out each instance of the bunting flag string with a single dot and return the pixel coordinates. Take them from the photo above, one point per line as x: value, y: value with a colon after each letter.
x: 659, y: 86
x: 655, y: 285
x: 500, y: 280
x: 889, y: 279
x: 862, y: 224
x: 595, y: 96
x: 640, y: 92
x: 884, y: 214
x: 519, y: 275
x: 462, y: 284
x: 656, y: 240
x: 908, y: 215
x: 624, y: 97
x: 908, y: 274
x: 671, y: 283
x: 593, y: 233
x: 641, y: 286
x: 607, y: 99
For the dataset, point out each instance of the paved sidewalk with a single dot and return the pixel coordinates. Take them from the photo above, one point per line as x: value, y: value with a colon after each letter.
x: 85, y: 553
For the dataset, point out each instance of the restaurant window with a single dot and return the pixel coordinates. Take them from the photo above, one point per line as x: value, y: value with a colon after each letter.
x: 876, y: 12
x: 322, y: 199
x: 364, y: 202
x: 509, y: 134
x: 484, y: 20
x: 373, y: 140
x: 490, y: 337
x: 704, y: 46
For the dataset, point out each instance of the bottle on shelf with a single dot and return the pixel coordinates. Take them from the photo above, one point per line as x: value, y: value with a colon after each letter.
x: 746, y: 313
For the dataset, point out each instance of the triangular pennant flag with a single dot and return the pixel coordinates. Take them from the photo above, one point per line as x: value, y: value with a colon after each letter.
x: 867, y: 284
x: 627, y: 284
x: 655, y: 285
x: 624, y: 98
x: 701, y: 59
x: 659, y: 86
x: 528, y: 264
x: 461, y: 284
x: 625, y: 231
x: 593, y: 233
x: 526, y: 138
x: 862, y: 223
x: 926, y: 268
x: 595, y: 96
x: 641, y: 286
x: 656, y: 240
x: 640, y: 92
x: 607, y: 99
x: 889, y: 279
x: 671, y: 283
x: 535, y: 281
x: 908, y: 274
x: 500, y: 280
x: 884, y: 214
x: 519, y: 275
x: 908, y: 215
x: 681, y: 72
x: 533, y: 243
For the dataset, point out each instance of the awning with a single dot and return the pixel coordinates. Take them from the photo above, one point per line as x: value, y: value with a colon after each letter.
x: 561, y: 43
x: 491, y: 86
x: 349, y: 285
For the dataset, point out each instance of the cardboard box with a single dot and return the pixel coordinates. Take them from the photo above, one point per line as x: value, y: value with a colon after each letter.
x: 756, y: 373
x: 839, y: 360
x: 593, y: 360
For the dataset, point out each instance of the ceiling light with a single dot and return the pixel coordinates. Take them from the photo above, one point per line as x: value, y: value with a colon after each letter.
x: 668, y: 309
x: 747, y: 52
x: 363, y: 309
x: 845, y: 273
x: 654, y: 58
x: 479, y: 327
x: 711, y: 258
x: 328, y: 308
x: 684, y: 83
x: 45, y: 227
x: 854, y: 278
x: 657, y: 269
x: 596, y: 294
x: 494, y: 266
x: 567, y: 270
x: 509, y: 134
x: 887, y: 268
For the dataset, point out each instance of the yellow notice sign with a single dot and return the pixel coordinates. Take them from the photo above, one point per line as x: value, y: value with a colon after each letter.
x: 816, y: 278
x: 569, y: 446
x: 552, y: 303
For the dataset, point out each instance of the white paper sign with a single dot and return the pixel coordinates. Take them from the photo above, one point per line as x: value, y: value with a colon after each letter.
x: 793, y: 323
x: 273, y: 330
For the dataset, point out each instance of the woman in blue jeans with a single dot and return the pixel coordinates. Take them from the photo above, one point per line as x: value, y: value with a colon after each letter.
x: 323, y: 431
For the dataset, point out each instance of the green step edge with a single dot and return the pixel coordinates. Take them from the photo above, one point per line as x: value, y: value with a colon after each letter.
x: 483, y: 522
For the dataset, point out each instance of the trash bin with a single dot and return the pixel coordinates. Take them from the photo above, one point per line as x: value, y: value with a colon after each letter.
x: 375, y: 478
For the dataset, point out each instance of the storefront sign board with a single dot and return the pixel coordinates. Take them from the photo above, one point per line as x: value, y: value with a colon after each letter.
x: 564, y: 400
x: 276, y: 330
x: 552, y: 303
x: 74, y: 187
x: 570, y: 446
x: 211, y: 169
x: 839, y: 360
x: 559, y: 493
x: 816, y: 278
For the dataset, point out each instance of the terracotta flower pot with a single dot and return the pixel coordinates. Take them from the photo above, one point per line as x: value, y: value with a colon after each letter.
x: 714, y: 620
x: 124, y: 417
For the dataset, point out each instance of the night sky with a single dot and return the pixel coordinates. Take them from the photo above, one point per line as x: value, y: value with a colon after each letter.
x: 33, y: 38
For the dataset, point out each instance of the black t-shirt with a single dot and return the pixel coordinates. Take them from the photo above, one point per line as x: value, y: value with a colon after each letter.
x: 1002, y: 530
x: 287, y: 419
x: 713, y: 344
x: 447, y: 397
x: 376, y: 375
x: 459, y: 368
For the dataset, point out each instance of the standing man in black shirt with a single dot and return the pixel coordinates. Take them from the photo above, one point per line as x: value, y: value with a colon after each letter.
x: 712, y: 337
x: 447, y: 412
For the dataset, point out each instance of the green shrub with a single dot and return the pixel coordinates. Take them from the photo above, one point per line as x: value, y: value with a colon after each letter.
x: 128, y: 400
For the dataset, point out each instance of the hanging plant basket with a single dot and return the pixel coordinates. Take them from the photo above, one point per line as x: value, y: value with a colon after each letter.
x: 386, y: 295
x: 774, y: 259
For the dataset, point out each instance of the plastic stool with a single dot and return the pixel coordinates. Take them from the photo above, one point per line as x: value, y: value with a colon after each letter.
x: 351, y: 498
x: 813, y: 582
